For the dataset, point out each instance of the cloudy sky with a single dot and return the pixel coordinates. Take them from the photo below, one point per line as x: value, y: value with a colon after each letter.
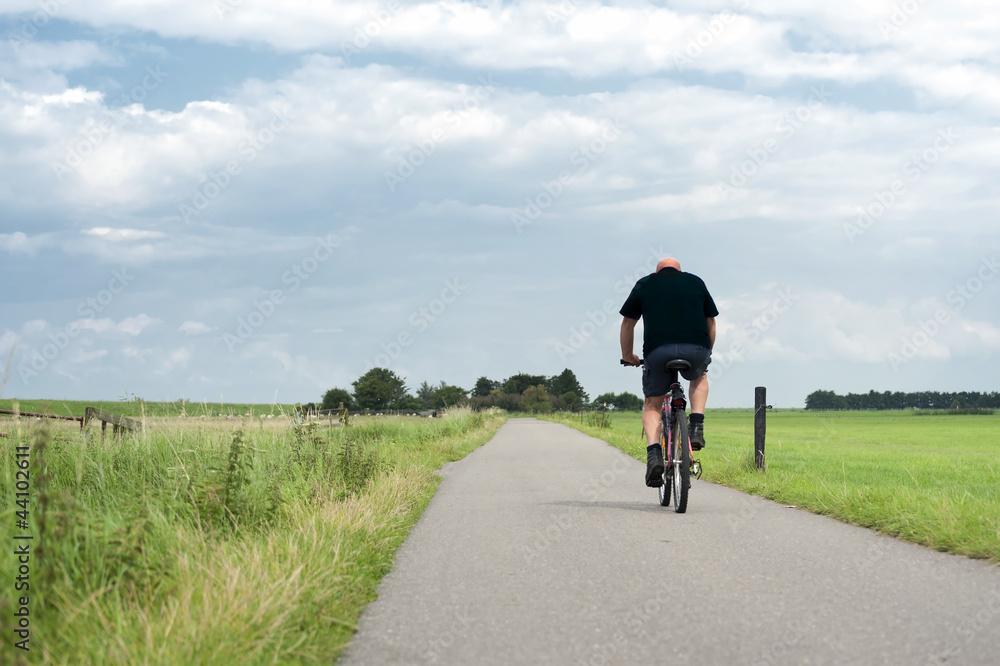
x: 260, y: 200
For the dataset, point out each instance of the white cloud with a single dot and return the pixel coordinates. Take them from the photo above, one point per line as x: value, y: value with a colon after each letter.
x: 988, y: 334
x: 34, y: 326
x: 137, y: 353
x: 118, y: 235
x: 194, y: 328
x: 128, y: 327
x: 21, y: 242
x: 8, y: 341
x: 939, y: 50
x: 176, y: 358
x: 62, y: 56
x: 679, y: 143
x: 95, y: 325
x: 133, y: 326
x: 85, y: 357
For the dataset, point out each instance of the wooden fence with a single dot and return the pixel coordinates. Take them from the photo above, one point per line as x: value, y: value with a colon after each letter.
x: 44, y: 416
x: 120, y: 424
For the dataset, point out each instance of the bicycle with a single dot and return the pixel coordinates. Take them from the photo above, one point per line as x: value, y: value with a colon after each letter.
x: 678, y: 457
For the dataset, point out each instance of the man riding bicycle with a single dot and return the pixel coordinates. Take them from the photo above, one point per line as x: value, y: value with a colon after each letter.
x: 678, y: 317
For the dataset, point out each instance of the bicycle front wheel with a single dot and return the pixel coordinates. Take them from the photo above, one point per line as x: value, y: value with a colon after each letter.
x: 681, y: 463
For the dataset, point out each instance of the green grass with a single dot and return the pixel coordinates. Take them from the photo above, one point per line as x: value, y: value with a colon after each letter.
x: 136, y: 408
x: 932, y: 480
x: 213, y: 543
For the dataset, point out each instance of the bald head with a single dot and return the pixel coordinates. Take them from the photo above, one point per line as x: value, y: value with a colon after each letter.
x: 667, y: 262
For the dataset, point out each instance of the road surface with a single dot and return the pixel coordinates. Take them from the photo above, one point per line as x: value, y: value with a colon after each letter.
x: 544, y: 547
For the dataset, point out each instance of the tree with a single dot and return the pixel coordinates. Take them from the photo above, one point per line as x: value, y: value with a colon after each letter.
x: 825, y: 400
x: 622, y: 402
x: 335, y: 396
x: 483, y: 387
x: 448, y: 396
x: 572, y: 401
x: 409, y: 403
x: 565, y: 382
x: 425, y: 394
x: 605, y: 399
x: 379, y: 389
x: 536, y: 399
x: 521, y: 382
x: 628, y: 402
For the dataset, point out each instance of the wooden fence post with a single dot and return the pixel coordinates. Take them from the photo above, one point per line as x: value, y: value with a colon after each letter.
x: 759, y: 425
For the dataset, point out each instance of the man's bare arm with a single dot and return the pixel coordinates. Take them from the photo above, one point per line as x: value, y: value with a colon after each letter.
x: 628, y: 340
x: 711, y: 331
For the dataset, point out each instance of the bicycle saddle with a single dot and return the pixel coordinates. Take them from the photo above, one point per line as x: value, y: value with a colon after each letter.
x: 678, y: 364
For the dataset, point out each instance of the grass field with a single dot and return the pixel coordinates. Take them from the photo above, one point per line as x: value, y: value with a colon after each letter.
x: 933, y: 480
x: 140, y: 408
x: 212, y: 542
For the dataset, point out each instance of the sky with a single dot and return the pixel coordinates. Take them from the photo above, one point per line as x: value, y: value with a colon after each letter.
x: 243, y: 200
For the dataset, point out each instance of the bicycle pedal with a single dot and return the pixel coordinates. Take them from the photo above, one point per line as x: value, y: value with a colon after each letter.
x: 696, y: 468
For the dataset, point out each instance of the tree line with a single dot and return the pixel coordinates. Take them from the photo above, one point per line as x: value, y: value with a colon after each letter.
x: 382, y: 389
x: 873, y: 400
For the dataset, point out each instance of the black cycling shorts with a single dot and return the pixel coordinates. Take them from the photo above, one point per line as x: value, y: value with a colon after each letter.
x: 656, y: 377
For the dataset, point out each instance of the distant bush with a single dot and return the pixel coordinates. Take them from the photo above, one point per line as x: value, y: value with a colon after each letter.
x: 966, y: 411
x: 510, y: 402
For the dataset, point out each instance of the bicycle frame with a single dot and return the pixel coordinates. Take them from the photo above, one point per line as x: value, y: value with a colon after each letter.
x: 674, y: 405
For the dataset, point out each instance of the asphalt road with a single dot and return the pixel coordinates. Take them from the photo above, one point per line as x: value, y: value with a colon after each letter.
x: 544, y: 547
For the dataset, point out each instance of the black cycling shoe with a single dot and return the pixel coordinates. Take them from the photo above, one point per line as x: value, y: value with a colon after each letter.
x: 654, y: 467
x: 697, y: 436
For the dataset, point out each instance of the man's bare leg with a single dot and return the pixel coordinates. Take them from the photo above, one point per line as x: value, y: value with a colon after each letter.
x: 654, y: 453
x: 651, y: 419
x: 699, y: 394
x: 699, y: 398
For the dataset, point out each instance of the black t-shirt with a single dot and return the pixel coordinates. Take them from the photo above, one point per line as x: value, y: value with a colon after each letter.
x: 673, y: 306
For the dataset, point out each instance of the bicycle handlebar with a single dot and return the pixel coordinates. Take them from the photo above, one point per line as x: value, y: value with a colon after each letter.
x: 629, y: 365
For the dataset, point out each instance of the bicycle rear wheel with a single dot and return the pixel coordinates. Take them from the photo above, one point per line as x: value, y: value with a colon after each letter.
x: 681, y: 463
